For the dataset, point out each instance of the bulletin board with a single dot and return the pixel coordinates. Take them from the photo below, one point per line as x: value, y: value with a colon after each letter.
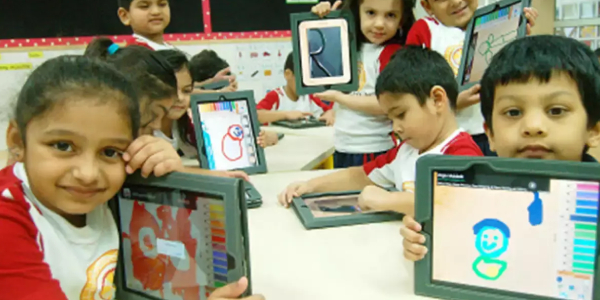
x: 63, y: 23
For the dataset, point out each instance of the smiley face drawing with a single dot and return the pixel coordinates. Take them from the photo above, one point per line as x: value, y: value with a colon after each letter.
x: 231, y: 144
x: 491, y: 242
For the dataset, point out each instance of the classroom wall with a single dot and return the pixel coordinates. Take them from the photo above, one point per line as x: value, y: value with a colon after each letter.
x: 258, y: 66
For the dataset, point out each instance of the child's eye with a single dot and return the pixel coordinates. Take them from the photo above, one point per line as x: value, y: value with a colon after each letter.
x: 62, y: 146
x: 513, y: 113
x: 556, y: 111
x: 391, y: 15
x: 112, y: 153
x: 370, y: 12
x: 401, y: 115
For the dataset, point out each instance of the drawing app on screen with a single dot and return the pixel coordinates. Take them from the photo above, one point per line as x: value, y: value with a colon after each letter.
x: 228, y: 136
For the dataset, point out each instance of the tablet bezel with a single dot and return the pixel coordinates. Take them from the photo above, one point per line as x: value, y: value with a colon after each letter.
x: 292, y: 125
x: 296, y: 19
x: 521, y: 32
x: 424, y: 284
x: 236, y: 222
x: 303, y: 29
x: 229, y: 96
x: 310, y: 222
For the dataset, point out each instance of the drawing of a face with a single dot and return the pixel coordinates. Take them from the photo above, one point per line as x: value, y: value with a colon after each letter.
x: 491, y: 242
x: 236, y: 133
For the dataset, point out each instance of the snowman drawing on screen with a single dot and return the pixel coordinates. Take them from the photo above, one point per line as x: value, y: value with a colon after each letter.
x: 491, y: 242
x: 231, y: 144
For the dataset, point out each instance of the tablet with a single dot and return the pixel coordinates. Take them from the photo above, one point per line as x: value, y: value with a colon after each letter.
x: 336, y: 209
x: 491, y: 28
x: 324, y: 52
x: 215, y: 86
x: 309, y: 122
x: 181, y: 236
x: 226, y: 127
x: 507, y: 229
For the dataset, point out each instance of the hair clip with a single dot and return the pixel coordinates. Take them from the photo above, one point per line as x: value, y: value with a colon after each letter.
x: 113, y: 48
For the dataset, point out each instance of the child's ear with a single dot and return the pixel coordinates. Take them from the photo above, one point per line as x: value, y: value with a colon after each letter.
x: 490, y: 136
x: 594, y: 136
x: 124, y: 16
x: 15, y: 143
x: 427, y: 7
x: 439, y: 97
x: 288, y: 74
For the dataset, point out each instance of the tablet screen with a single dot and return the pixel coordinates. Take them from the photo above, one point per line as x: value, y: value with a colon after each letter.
x: 173, y: 242
x: 229, y: 138
x: 333, y: 206
x: 491, y: 32
x: 527, y: 235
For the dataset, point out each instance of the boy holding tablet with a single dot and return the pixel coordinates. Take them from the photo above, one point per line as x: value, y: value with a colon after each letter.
x: 540, y: 98
x: 418, y: 92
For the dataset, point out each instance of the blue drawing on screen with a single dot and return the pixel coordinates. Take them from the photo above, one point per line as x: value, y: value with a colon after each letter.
x: 325, y: 49
x: 536, y: 210
x: 491, y: 242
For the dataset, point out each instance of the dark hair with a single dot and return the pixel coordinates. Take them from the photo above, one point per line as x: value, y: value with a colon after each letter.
x: 416, y: 70
x: 289, y: 62
x: 205, y: 65
x: 176, y: 59
x: 133, y: 59
x: 51, y: 83
x: 597, y: 52
x: 406, y: 23
x: 538, y: 58
x: 126, y: 4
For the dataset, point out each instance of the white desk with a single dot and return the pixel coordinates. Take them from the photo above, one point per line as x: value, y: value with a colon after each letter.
x: 325, y: 132
x: 293, y: 153
x: 354, y: 262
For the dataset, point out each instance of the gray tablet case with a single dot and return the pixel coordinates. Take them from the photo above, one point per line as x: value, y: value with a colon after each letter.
x: 295, y: 20
x: 253, y: 196
x: 527, y: 175
x: 301, y: 124
x: 310, y: 222
x: 177, y: 212
x: 214, y: 86
x: 495, y: 45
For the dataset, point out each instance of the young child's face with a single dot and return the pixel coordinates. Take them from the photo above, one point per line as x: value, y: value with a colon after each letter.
x: 185, y: 87
x: 153, y: 114
x: 540, y: 120
x: 414, y: 123
x: 290, y: 80
x: 147, y: 17
x: 452, y: 13
x: 73, y: 168
x: 380, y: 19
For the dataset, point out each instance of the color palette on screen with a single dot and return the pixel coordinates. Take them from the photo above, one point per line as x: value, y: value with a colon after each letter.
x: 585, y: 219
x: 219, y: 106
x: 217, y: 235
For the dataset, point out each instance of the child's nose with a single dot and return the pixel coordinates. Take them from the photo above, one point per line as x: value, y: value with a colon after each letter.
x: 534, y: 126
x: 86, y: 170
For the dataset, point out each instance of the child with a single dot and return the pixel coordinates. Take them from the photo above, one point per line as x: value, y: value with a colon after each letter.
x: 148, y: 20
x: 540, y: 97
x: 207, y: 67
x: 362, y: 131
x: 418, y: 92
x: 444, y: 32
x: 284, y: 104
x: 53, y: 201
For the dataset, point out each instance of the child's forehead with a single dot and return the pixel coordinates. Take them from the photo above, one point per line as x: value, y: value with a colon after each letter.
x: 382, y: 5
x: 558, y: 84
x: 148, y: 1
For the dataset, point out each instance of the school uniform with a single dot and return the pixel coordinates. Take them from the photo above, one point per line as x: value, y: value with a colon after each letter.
x: 184, y: 149
x: 43, y: 256
x: 361, y: 137
x: 139, y: 40
x: 278, y: 100
x: 397, y: 168
x: 449, y: 41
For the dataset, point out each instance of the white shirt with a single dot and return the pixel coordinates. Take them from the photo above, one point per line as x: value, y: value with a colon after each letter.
x: 278, y: 100
x: 155, y: 46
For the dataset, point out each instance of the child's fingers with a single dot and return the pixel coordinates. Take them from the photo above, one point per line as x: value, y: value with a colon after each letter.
x: 136, y: 146
x: 412, y: 236
x: 336, y: 5
x: 412, y: 256
x: 240, y: 175
x: 230, y: 291
x: 141, y: 158
x: 410, y: 223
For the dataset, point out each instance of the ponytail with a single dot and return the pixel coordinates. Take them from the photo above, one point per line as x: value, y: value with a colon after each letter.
x: 98, y: 48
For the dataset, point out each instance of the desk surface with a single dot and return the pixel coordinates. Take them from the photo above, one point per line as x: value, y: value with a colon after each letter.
x: 293, y: 153
x: 325, y: 132
x: 355, y: 262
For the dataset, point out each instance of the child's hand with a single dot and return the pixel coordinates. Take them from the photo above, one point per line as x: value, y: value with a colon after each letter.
x: 330, y: 95
x: 324, y: 8
x: 233, y: 291
x: 296, y: 115
x: 151, y: 155
x: 224, y: 75
x: 531, y: 15
x: 237, y: 174
x: 373, y: 198
x: 413, y: 241
x: 267, y: 138
x: 328, y: 117
x: 296, y: 189
x: 468, y: 97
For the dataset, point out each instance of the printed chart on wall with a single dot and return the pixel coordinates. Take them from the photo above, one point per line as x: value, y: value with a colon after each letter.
x: 490, y: 34
x: 503, y: 240
x: 174, y: 250
x: 262, y: 65
x: 229, y: 139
